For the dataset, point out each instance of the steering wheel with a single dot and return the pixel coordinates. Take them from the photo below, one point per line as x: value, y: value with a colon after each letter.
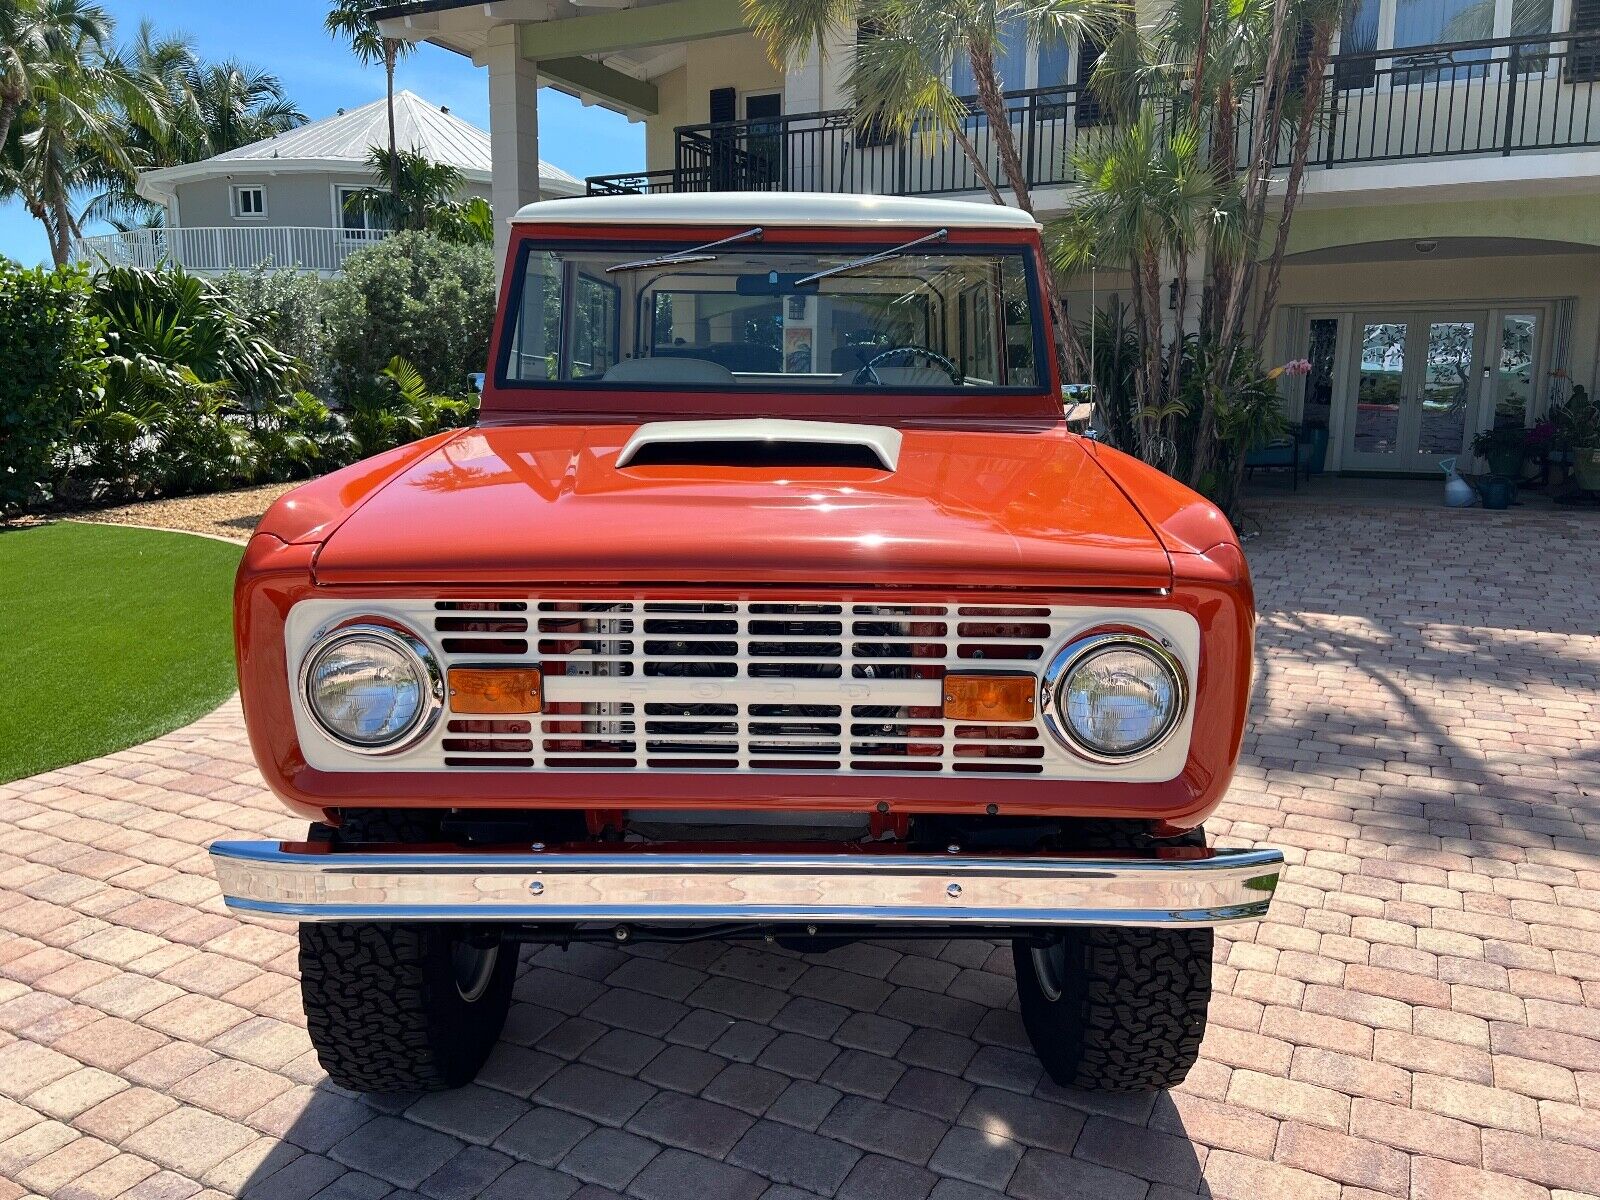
x: 868, y: 375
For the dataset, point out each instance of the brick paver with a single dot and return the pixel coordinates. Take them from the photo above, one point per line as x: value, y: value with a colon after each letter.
x: 1420, y: 1017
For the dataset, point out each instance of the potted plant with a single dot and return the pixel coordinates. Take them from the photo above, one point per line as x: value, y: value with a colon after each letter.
x: 1577, y: 424
x: 1503, y: 448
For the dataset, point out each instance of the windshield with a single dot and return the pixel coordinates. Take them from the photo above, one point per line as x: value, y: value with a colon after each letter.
x: 747, y: 318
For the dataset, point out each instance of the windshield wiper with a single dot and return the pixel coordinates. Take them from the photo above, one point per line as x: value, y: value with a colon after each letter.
x: 696, y: 254
x: 938, y: 235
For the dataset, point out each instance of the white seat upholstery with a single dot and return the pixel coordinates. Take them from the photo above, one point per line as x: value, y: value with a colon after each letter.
x: 668, y: 370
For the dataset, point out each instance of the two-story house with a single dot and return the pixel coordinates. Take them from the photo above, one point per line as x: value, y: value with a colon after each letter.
x: 1445, y: 262
x: 286, y: 201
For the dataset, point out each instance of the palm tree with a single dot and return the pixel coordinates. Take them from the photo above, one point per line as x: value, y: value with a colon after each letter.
x: 1150, y: 198
x: 353, y: 21
x: 210, y: 107
x: 900, y: 75
x: 241, y: 104
x: 31, y: 33
x: 72, y: 130
x: 417, y: 190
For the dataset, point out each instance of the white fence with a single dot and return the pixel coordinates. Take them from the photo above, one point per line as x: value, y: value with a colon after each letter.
x: 208, y: 251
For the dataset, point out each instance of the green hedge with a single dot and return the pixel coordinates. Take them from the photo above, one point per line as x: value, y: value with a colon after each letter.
x: 415, y: 297
x: 134, y: 384
x: 52, y: 366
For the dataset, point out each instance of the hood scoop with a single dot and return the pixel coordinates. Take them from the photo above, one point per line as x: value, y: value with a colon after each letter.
x: 762, y: 443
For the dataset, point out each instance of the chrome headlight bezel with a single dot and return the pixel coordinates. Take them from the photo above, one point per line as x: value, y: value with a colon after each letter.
x: 1071, y: 656
x: 421, y: 659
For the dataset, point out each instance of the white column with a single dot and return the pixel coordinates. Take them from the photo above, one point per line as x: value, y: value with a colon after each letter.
x: 513, y: 130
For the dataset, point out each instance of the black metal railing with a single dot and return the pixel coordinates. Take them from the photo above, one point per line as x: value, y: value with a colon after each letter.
x: 1503, y: 95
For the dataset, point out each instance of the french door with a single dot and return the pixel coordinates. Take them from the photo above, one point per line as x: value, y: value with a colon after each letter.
x: 1413, y: 388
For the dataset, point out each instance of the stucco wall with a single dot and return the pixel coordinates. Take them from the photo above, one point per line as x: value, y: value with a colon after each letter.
x: 299, y: 200
x: 685, y: 94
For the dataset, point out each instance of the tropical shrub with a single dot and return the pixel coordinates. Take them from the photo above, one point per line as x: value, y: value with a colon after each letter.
x: 402, y: 410
x: 416, y: 297
x: 51, y: 348
x: 289, y: 308
x: 300, y: 437
x: 182, y: 368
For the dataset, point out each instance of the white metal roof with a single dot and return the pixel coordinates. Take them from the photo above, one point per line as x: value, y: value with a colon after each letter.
x: 776, y: 208
x: 342, y: 141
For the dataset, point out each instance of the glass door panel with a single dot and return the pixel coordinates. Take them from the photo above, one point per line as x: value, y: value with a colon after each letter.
x: 1445, y: 390
x: 1380, y: 389
x: 1513, y: 384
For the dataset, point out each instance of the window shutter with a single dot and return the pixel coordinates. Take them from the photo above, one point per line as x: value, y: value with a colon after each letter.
x: 724, y: 105
x: 1583, y: 56
x: 1089, y: 110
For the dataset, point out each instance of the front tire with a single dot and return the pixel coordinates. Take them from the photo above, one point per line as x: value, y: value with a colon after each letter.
x: 1115, y: 1009
x: 402, y: 1007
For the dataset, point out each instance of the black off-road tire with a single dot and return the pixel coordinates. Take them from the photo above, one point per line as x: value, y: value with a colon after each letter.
x: 386, y: 1006
x: 1116, y: 1009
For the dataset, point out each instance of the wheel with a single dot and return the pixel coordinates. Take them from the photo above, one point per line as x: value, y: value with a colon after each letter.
x: 402, y: 1007
x: 1115, y: 1009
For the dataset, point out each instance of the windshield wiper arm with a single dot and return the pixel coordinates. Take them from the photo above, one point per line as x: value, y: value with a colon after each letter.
x: 695, y: 254
x: 938, y: 235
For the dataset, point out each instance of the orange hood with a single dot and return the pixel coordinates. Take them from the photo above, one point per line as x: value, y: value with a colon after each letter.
x: 516, y: 504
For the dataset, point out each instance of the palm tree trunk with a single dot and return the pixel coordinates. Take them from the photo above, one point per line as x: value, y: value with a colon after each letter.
x: 10, y: 106
x: 1310, y: 106
x: 993, y: 102
x: 978, y: 166
x: 390, y: 57
x: 61, y: 228
x: 1231, y: 304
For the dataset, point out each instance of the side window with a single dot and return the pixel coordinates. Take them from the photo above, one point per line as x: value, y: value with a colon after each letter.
x: 536, y: 333
x: 249, y: 201
x: 594, y: 327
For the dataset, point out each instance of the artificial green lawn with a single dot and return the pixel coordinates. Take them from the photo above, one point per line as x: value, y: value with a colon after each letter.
x: 109, y: 636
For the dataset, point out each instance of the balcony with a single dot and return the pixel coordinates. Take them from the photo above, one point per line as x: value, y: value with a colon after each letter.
x: 212, y: 251
x: 1499, y: 96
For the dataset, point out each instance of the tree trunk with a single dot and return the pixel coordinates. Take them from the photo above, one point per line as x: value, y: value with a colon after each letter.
x: 10, y: 106
x: 1311, y: 105
x: 978, y: 167
x: 60, y: 228
x: 993, y: 102
x: 390, y: 57
x: 1232, y: 301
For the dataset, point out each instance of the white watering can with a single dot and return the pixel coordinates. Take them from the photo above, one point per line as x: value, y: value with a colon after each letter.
x: 1458, y: 492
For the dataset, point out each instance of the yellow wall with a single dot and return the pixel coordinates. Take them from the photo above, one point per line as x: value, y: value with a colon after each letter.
x: 659, y: 139
x: 737, y: 62
x: 1461, y: 281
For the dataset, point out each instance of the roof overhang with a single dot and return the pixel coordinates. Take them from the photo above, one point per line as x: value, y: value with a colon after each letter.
x: 158, y: 186
x: 600, y: 53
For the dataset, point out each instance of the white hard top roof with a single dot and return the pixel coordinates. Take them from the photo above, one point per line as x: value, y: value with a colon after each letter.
x: 774, y: 208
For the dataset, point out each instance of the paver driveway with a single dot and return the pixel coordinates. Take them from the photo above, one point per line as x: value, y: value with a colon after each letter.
x: 1420, y: 1017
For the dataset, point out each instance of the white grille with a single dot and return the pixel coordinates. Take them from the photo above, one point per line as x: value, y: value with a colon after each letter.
x: 743, y: 685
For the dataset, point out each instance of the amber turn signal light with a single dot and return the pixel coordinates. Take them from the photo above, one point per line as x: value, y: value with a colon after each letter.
x: 989, y: 698
x: 496, y: 691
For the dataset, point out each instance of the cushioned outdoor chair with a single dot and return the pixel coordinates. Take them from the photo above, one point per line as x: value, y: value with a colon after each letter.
x: 1292, y: 452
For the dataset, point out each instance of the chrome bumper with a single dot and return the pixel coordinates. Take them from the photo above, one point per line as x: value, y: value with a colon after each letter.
x: 312, y: 883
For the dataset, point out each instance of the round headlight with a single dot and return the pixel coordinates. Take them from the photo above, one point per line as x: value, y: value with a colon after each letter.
x: 374, y: 689
x: 1114, y: 696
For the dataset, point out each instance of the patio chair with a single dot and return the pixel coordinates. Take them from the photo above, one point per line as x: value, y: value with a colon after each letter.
x: 1291, y: 452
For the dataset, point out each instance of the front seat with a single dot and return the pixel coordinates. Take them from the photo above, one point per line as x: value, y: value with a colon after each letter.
x: 668, y: 370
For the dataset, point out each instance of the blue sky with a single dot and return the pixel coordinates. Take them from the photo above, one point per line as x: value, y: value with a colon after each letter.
x: 286, y: 38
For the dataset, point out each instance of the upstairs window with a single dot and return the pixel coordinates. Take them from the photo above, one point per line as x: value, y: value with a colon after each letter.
x: 250, y: 202
x: 357, y: 220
